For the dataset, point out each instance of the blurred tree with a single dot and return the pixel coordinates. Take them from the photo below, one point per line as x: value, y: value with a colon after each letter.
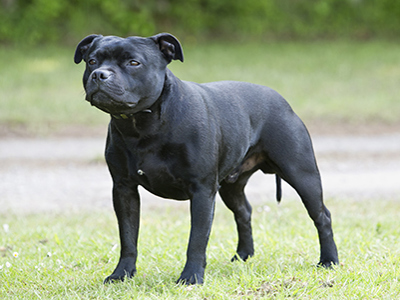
x: 38, y: 21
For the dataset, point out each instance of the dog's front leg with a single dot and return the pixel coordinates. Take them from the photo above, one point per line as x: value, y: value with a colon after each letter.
x: 202, y: 214
x: 127, y: 208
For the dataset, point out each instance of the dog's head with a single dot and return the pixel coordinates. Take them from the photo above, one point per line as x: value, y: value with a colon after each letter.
x: 126, y: 75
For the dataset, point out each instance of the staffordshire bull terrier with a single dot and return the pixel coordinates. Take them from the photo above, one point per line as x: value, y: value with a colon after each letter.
x: 188, y: 141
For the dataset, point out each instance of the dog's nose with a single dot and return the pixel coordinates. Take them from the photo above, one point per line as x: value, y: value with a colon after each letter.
x: 101, y: 75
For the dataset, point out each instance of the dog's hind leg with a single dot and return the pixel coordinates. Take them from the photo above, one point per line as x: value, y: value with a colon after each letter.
x: 308, y: 186
x: 294, y: 161
x: 234, y: 198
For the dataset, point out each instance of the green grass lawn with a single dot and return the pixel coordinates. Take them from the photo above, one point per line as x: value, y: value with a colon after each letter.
x: 328, y: 81
x: 67, y: 256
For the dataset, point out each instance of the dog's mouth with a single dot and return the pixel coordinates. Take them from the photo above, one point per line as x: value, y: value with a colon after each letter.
x: 109, y: 104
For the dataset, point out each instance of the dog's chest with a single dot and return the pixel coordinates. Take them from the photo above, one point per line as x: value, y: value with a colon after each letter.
x: 163, y: 170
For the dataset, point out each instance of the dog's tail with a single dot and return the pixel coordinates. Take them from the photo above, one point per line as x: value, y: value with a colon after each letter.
x: 278, y: 188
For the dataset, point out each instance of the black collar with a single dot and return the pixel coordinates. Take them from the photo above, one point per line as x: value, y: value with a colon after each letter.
x: 130, y: 116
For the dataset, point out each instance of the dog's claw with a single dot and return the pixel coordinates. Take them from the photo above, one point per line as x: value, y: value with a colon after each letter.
x: 242, y: 257
x: 109, y: 279
x: 327, y: 264
x: 119, y: 276
x: 114, y: 279
x: 190, y: 279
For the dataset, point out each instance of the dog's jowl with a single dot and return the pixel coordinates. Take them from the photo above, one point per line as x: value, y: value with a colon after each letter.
x: 188, y: 141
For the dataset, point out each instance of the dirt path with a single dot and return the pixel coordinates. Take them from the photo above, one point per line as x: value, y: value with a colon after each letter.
x: 39, y: 175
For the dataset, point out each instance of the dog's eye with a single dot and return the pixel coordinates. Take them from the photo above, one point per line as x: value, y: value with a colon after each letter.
x: 92, y: 62
x: 133, y: 63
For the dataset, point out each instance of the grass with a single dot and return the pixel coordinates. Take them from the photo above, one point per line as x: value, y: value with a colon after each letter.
x: 329, y: 81
x: 67, y: 256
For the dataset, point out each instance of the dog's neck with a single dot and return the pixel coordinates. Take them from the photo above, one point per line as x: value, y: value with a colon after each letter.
x: 154, y: 108
x: 139, y: 124
x: 148, y: 121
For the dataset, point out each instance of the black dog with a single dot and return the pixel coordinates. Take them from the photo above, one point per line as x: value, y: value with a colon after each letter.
x: 184, y: 140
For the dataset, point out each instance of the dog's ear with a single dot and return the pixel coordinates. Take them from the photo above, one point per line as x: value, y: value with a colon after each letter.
x: 169, y: 46
x: 83, y: 46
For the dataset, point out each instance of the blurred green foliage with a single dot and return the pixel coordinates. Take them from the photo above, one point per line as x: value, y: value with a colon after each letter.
x: 38, y: 21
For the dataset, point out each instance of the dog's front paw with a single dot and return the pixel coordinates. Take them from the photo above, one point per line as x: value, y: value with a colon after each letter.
x: 125, y: 268
x: 193, y: 278
x: 116, y: 277
x: 119, y: 276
